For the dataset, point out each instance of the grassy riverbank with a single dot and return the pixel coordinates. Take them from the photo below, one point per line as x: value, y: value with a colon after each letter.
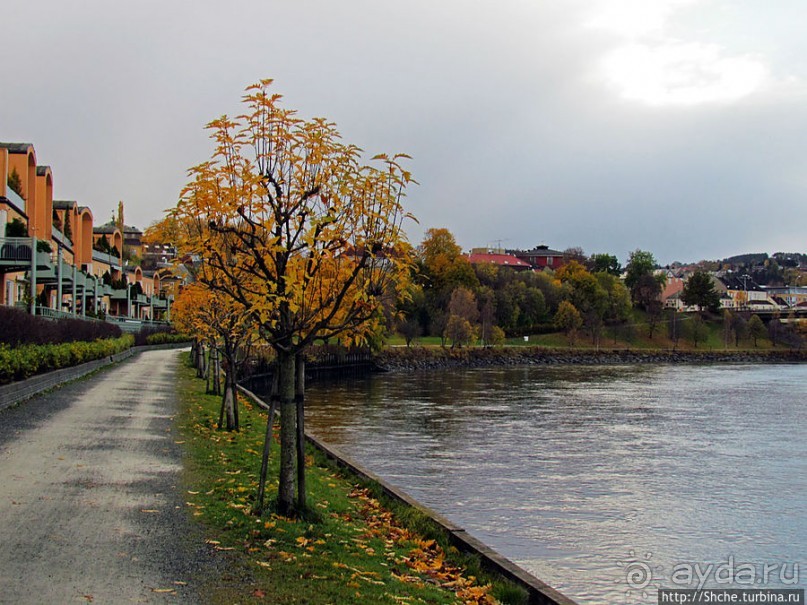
x: 353, y: 547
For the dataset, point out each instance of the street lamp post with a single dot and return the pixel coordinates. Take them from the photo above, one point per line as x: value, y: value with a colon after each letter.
x: 745, y: 279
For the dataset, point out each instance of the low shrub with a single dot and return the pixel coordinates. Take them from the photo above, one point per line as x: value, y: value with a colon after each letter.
x: 156, y: 335
x: 19, y: 363
x: 161, y: 338
x: 18, y: 327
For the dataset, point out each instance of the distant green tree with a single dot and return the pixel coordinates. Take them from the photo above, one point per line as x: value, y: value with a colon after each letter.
x: 697, y: 329
x: 655, y: 313
x: 102, y: 245
x: 775, y: 328
x: 16, y: 228
x: 68, y: 229
x: 674, y: 328
x: 640, y: 279
x: 410, y: 328
x: 442, y: 269
x: 587, y: 296
x: 569, y: 320
x: 740, y: 328
x: 728, y: 320
x: 487, y: 314
x: 459, y: 331
x: 605, y: 263
x: 444, y: 265
x: 756, y: 328
x: 699, y: 291
x: 15, y: 182
x: 618, y: 307
x: 497, y: 337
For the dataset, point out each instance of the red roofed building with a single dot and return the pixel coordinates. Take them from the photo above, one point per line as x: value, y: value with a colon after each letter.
x: 485, y: 256
x: 541, y: 257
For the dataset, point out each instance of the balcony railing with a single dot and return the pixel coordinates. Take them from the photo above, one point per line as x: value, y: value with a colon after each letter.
x: 16, y: 248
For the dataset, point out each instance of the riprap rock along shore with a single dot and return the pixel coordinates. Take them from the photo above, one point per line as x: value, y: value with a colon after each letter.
x: 424, y: 358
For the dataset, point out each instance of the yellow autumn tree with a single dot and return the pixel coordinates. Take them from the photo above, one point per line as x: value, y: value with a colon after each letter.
x: 226, y: 326
x: 302, y: 234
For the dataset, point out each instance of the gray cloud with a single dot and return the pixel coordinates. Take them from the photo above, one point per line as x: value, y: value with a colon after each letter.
x: 515, y: 131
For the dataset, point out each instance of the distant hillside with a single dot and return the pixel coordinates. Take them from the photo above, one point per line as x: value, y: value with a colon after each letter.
x: 791, y: 259
x: 749, y: 260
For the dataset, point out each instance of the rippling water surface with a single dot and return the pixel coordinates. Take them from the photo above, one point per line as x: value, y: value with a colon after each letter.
x: 584, y: 474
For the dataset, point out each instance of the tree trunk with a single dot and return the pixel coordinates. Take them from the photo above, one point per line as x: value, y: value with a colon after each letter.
x: 267, y: 441
x: 229, y: 402
x: 216, y: 373
x: 299, y: 399
x: 208, y: 388
x: 200, y: 361
x: 285, y: 491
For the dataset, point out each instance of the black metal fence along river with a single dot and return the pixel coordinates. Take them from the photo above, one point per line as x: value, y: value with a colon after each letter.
x: 606, y: 482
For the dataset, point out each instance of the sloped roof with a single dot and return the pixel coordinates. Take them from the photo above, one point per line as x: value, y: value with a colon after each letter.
x: 110, y: 227
x: 106, y: 228
x: 672, y: 288
x: 17, y: 147
x: 733, y: 282
x: 541, y: 250
x: 41, y: 170
x: 502, y: 260
x: 64, y: 204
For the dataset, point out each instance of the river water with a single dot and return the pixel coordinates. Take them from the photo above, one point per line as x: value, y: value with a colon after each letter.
x: 606, y: 482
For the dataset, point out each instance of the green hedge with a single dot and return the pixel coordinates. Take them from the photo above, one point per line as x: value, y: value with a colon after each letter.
x: 22, y: 362
x: 161, y: 338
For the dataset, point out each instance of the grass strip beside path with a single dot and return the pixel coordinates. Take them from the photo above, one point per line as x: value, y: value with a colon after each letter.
x: 351, y: 547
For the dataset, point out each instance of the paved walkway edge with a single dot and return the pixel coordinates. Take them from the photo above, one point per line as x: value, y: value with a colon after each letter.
x: 17, y: 392
x: 540, y: 593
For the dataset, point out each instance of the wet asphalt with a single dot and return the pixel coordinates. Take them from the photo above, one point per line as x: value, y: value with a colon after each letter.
x: 91, y: 500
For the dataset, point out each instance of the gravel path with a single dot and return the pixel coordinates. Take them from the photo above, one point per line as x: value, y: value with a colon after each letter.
x: 90, y: 507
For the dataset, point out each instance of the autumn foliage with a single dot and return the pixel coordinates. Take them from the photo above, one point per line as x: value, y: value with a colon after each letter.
x: 292, y: 227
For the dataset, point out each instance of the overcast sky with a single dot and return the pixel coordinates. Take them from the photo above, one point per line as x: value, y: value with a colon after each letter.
x: 675, y: 126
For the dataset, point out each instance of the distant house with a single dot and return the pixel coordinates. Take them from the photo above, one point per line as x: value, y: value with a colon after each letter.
x: 131, y: 237
x: 487, y: 256
x: 671, y: 294
x: 788, y: 296
x: 747, y: 294
x: 540, y: 257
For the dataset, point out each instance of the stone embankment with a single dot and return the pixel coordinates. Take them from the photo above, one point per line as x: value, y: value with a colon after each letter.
x: 424, y: 358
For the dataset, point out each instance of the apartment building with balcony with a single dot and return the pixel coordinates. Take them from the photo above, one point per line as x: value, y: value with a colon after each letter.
x: 51, y: 261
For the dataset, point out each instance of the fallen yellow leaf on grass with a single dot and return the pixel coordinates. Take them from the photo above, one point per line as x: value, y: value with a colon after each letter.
x: 149, y: 510
x: 164, y: 590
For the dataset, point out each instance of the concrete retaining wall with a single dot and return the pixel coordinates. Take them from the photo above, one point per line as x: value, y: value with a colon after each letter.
x: 17, y: 392
x: 539, y: 592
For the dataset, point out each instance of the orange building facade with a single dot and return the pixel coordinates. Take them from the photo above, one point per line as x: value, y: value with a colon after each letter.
x: 51, y: 262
